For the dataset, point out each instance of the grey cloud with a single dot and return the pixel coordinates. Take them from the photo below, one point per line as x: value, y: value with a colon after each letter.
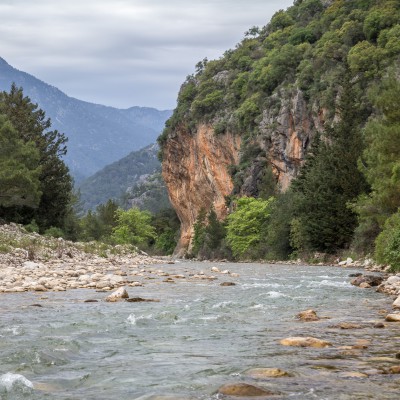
x: 123, y: 52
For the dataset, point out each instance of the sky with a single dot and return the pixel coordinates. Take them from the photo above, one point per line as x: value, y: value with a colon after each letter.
x: 124, y: 53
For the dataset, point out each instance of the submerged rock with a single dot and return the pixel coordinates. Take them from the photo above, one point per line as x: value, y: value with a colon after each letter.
x: 307, y: 316
x: 262, y: 373
x: 351, y: 374
x: 347, y: 325
x: 305, y: 342
x: 243, y: 390
x: 227, y: 284
x: 395, y: 369
x: 140, y: 299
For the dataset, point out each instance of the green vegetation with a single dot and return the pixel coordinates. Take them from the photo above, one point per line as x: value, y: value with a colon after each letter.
x: 342, y: 57
x: 121, y: 179
x: 133, y: 227
x: 34, y: 179
x: 209, y: 240
x: 36, y: 188
x: 247, y: 227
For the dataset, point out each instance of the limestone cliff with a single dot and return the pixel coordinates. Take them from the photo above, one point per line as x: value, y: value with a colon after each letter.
x: 275, y: 90
x: 195, y: 170
x: 195, y: 165
x: 284, y: 137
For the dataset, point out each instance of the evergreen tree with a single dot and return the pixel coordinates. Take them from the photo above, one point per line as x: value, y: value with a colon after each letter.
x: 32, y: 125
x: 19, y: 170
x: 329, y: 181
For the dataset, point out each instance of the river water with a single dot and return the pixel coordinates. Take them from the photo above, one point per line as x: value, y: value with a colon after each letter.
x: 198, y: 337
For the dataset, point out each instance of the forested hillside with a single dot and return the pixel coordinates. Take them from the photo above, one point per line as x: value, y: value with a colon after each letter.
x: 117, y: 180
x: 314, y: 98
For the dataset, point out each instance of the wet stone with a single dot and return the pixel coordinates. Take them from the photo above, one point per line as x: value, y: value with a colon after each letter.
x: 304, y: 342
x: 243, y: 390
x: 263, y: 373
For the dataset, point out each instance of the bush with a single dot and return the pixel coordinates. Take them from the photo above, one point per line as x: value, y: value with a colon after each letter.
x: 54, y: 232
x: 247, y: 226
x: 387, y: 245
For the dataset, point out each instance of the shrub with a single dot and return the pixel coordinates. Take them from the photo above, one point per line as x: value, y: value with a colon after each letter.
x: 387, y: 250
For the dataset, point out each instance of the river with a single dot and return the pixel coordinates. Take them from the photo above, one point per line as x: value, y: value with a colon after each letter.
x: 199, y: 336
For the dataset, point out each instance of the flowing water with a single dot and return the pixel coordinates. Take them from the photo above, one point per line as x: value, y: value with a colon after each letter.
x: 198, y: 337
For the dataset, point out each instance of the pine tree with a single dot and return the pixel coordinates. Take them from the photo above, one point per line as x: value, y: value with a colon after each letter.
x: 329, y: 181
x: 32, y: 126
x: 19, y: 169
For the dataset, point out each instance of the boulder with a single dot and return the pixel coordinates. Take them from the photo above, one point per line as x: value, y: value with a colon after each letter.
x: 372, y: 280
x: 396, y: 303
x: 392, y: 318
x: 30, y: 265
x: 118, y: 295
x: 243, y: 390
x: 364, y: 285
x: 215, y: 269
x: 307, y: 316
x: 262, y: 373
x: 227, y: 284
x: 304, y: 342
x: 393, y: 279
x: 395, y: 369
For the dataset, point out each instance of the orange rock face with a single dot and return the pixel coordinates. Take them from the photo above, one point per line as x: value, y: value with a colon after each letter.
x: 195, y: 165
x: 195, y: 170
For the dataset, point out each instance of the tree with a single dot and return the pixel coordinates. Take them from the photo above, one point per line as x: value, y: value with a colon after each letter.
x: 381, y: 167
x: 329, y: 180
x: 31, y: 125
x: 247, y: 225
x: 19, y: 169
x: 133, y: 227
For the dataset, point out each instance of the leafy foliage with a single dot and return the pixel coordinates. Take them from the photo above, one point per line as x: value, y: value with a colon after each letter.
x: 388, y: 243
x: 133, y: 227
x: 247, y: 225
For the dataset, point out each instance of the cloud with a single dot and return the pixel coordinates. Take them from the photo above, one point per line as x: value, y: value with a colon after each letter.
x: 123, y: 52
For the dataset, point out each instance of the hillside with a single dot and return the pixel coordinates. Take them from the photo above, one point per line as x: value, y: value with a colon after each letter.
x: 98, y: 135
x: 117, y: 179
x: 246, y: 121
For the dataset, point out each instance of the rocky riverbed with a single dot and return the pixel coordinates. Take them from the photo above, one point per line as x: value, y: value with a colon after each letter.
x: 31, y: 262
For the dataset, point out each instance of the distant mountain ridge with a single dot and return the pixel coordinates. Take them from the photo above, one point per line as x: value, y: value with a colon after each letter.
x: 98, y: 135
x: 126, y: 178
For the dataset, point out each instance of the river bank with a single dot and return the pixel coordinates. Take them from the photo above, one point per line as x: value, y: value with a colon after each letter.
x: 31, y: 262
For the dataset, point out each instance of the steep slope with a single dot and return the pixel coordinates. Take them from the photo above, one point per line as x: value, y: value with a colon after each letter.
x: 98, y: 135
x: 274, y: 93
x: 114, y: 180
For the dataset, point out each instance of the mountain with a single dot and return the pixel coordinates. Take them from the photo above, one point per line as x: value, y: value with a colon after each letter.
x: 98, y: 135
x: 251, y: 116
x: 135, y: 179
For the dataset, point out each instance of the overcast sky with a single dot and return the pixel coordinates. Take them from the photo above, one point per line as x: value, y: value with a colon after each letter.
x: 123, y: 52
